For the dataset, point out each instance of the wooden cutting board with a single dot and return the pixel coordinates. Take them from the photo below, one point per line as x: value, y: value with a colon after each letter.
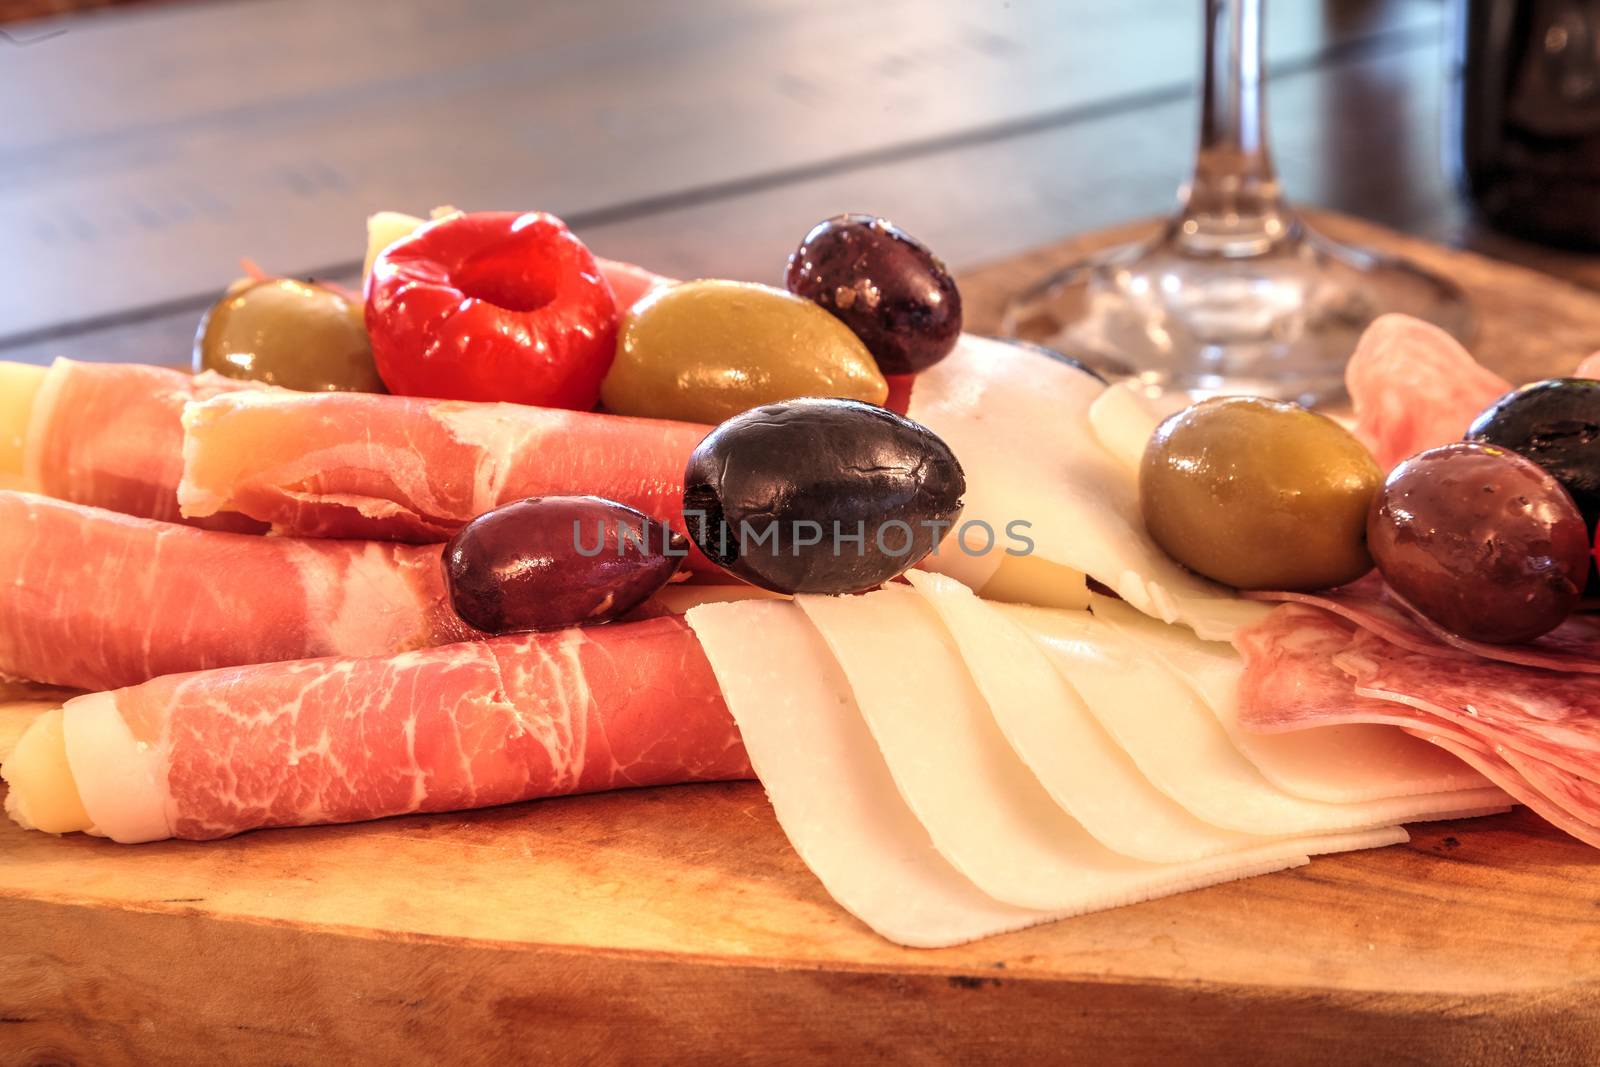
x: 676, y: 924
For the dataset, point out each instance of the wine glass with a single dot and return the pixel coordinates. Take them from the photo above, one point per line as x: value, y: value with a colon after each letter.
x: 1235, y: 293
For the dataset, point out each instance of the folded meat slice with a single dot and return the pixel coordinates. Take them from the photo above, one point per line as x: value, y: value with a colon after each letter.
x: 93, y: 599
x: 1548, y: 715
x: 111, y: 435
x: 1531, y: 731
x: 1413, y: 387
x: 1370, y: 604
x: 461, y: 726
x: 411, y: 469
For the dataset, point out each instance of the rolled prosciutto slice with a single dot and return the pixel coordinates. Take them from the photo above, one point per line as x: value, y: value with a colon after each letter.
x: 206, y: 755
x: 93, y: 599
x: 411, y: 469
x: 111, y: 435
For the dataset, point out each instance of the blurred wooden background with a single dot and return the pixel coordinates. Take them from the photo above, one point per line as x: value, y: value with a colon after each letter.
x: 148, y: 147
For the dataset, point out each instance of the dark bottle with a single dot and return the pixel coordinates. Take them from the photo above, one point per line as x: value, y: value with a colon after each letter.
x: 1525, y: 135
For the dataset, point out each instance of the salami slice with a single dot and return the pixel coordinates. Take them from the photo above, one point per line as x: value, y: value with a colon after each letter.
x: 1574, y: 646
x: 1509, y: 778
x: 1413, y: 387
x: 1532, y: 731
x: 1555, y: 717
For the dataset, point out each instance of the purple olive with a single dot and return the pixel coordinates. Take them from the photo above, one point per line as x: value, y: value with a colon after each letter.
x: 1482, y: 541
x: 885, y: 285
x: 556, y: 561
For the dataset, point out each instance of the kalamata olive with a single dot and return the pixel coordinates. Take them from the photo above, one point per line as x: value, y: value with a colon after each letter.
x: 300, y: 335
x: 820, y: 496
x: 1482, y: 541
x: 549, y: 562
x: 882, y: 283
x: 1555, y: 423
x: 1259, y: 494
x: 704, y: 351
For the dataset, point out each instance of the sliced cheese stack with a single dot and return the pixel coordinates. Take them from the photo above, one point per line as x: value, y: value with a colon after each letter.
x: 951, y: 770
x: 1021, y: 425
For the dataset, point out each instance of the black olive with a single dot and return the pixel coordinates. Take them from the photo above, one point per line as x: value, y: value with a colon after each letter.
x: 1555, y: 423
x: 884, y: 284
x: 820, y: 496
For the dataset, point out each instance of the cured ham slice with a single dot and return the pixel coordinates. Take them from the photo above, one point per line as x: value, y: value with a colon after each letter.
x: 1413, y: 387
x: 461, y: 726
x: 1338, y: 764
x: 93, y: 599
x: 1371, y: 605
x: 1019, y: 423
x: 111, y: 435
x: 984, y: 812
x: 1180, y: 747
x: 1530, y: 731
x: 410, y: 469
x: 1589, y: 367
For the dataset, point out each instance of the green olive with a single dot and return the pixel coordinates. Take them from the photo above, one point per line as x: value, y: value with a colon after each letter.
x: 299, y: 335
x: 704, y: 351
x: 1259, y: 494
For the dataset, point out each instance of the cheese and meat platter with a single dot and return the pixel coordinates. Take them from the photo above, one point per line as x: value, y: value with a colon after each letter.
x: 391, y: 621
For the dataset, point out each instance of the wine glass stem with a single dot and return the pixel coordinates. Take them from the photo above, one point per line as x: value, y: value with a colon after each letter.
x: 1231, y: 205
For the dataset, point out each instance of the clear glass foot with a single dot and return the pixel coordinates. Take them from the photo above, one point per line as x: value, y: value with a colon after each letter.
x: 1236, y: 294
x: 1185, y: 313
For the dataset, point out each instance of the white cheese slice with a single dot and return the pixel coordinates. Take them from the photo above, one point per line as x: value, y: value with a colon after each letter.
x: 119, y: 778
x: 1162, y: 724
x: 1124, y: 417
x: 1054, y: 733
x: 984, y: 810
x: 1342, y: 764
x: 1019, y: 423
x: 829, y: 787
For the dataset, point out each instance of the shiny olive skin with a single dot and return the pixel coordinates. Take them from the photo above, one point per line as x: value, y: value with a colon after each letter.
x: 764, y: 491
x: 882, y: 283
x: 703, y: 351
x: 1555, y: 423
x: 1259, y: 494
x: 1482, y: 541
x: 549, y: 562
x: 299, y: 335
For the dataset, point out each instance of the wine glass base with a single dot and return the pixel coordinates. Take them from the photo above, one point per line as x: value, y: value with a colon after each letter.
x: 1279, y: 320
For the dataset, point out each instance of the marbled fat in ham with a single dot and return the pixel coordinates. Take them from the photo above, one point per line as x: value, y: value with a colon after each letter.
x: 444, y: 729
x: 111, y: 435
x: 93, y: 599
x: 409, y: 469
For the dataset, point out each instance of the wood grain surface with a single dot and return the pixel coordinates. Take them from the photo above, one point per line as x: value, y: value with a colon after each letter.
x: 677, y: 924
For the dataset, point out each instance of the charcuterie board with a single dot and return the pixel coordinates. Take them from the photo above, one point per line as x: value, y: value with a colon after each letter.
x: 670, y: 924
